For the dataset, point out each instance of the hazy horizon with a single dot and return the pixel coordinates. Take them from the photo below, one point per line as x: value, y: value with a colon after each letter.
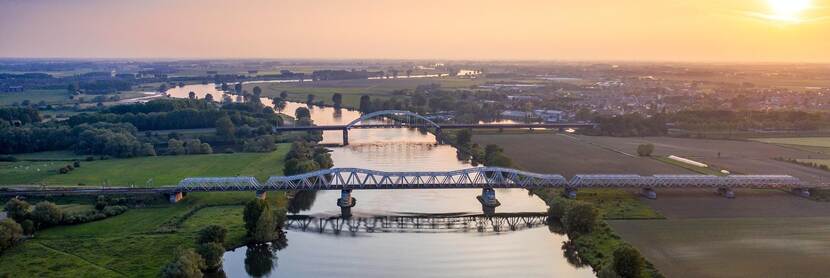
x: 742, y: 31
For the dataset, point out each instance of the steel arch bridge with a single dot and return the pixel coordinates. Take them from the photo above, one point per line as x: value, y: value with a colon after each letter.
x: 401, y: 118
x: 480, y: 177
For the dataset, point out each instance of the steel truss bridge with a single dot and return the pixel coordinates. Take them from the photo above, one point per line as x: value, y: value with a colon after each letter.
x: 480, y: 177
x: 407, y: 119
x: 429, y: 223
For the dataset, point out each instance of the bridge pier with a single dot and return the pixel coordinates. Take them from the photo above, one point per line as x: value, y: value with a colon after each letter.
x: 726, y: 192
x: 648, y: 192
x: 261, y: 194
x: 346, y: 202
x: 176, y: 197
x: 345, y: 137
x: 488, y: 198
x: 802, y: 192
x: 570, y: 193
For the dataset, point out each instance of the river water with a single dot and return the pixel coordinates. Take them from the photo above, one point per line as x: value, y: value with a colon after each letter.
x: 407, y: 252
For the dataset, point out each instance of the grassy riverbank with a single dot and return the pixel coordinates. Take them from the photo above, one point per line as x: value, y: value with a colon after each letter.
x: 159, y: 170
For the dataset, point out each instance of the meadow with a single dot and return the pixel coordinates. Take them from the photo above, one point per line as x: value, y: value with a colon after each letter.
x: 34, y: 96
x: 144, y: 171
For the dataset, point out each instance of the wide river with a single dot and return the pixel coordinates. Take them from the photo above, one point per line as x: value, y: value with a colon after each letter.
x: 406, y: 252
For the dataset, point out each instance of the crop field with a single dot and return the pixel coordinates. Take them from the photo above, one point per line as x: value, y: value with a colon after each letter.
x: 738, y: 157
x: 732, y: 247
x: 163, y: 170
x: 353, y: 89
x: 819, y: 145
x: 34, y: 96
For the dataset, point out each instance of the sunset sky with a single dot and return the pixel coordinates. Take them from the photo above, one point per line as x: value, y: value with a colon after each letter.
x: 635, y: 30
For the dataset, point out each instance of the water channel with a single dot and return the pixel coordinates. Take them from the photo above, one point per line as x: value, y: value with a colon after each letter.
x: 528, y: 252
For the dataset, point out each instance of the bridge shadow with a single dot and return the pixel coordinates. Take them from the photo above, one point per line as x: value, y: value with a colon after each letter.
x: 416, y: 223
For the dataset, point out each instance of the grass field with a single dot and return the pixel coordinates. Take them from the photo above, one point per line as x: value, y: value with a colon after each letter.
x: 50, y: 155
x: 163, y: 170
x: 134, y: 244
x: 743, y: 247
x: 35, y: 96
x: 352, y: 90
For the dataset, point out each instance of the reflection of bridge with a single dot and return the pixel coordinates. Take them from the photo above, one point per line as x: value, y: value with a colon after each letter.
x: 435, y: 223
x: 412, y: 120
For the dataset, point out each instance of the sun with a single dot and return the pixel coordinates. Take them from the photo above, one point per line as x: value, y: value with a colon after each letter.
x: 787, y: 10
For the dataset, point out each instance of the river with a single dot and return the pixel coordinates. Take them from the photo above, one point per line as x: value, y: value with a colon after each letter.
x: 407, y: 252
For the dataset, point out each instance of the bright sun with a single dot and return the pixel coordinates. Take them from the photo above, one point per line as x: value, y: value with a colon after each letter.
x: 787, y: 10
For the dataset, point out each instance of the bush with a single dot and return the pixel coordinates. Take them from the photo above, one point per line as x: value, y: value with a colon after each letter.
x: 101, y: 202
x: 558, y: 208
x: 580, y: 219
x: 28, y: 227
x: 645, y: 149
x: 628, y: 263
x: 114, y: 210
x: 8, y: 158
x: 10, y: 233
x: 63, y: 170
x: 212, y: 253
x: 188, y: 264
x: 46, y: 214
x: 90, y: 158
x: 76, y: 164
x: 212, y: 234
x: 17, y: 209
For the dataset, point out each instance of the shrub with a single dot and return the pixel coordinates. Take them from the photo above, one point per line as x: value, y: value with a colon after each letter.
x: 10, y: 233
x: 28, y: 227
x: 645, y: 149
x: 101, y: 202
x: 90, y: 158
x: 17, y: 209
x: 76, y: 164
x: 212, y: 253
x: 63, y: 170
x: 187, y: 264
x: 558, y: 208
x: 114, y: 210
x: 580, y: 219
x: 628, y: 263
x: 46, y: 214
x: 212, y: 233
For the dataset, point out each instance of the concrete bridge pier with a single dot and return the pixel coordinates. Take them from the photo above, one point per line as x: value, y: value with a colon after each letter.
x: 345, y: 137
x: 570, y: 193
x: 726, y: 192
x: 175, y: 197
x: 346, y: 202
x: 802, y: 192
x: 488, y: 198
x: 649, y: 193
x: 261, y: 194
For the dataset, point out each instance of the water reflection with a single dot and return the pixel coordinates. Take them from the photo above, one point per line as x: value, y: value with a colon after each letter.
x: 416, y: 223
x: 261, y: 259
x: 301, y: 200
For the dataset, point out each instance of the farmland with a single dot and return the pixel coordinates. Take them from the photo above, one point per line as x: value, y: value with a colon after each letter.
x: 163, y: 170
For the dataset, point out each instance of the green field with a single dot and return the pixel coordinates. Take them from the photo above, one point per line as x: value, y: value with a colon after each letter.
x: 50, y: 155
x: 163, y: 170
x: 35, y: 96
x: 353, y: 89
x: 135, y: 244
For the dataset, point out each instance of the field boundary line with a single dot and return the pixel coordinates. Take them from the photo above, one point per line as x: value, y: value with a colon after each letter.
x: 81, y: 258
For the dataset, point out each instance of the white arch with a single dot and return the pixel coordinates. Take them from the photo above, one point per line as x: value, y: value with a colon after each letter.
x: 390, y: 112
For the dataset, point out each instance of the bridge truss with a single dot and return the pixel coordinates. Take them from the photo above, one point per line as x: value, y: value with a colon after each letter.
x: 480, y: 177
x: 400, y: 117
x: 499, y: 222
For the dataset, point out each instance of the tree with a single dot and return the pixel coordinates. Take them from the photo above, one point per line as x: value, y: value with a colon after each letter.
x: 279, y: 103
x: 46, y: 214
x: 284, y: 95
x: 365, y: 104
x: 628, y: 263
x: 257, y: 92
x: 175, y: 147
x: 337, y: 99
x: 464, y: 137
x: 310, y: 99
x: 208, y: 97
x: 191, y: 95
x: 211, y: 253
x: 251, y: 214
x: 302, y: 113
x: 17, y: 209
x: 238, y: 88
x: 266, y: 226
x: 580, y: 219
x: 225, y: 127
x: 212, y: 234
x: 645, y: 149
x: 10, y: 233
x: 187, y: 265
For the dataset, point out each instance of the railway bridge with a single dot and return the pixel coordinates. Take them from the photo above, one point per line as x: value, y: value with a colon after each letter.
x: 407, y: 119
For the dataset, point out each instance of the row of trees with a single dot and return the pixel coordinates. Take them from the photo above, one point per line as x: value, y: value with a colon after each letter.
x: 117, y: 140
x: 188, y: 146
x: 24, y: 115
x: 207, y: 257
x: 304, y: 157
x: 490, y: 155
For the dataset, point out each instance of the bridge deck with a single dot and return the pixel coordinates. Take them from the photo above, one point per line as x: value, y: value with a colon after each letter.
x: 443, y: 126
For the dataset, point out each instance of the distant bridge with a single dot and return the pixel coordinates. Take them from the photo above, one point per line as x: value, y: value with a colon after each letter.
x: 407, y: 119
x: 429, y: 223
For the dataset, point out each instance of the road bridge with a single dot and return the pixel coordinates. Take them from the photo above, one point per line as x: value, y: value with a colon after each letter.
x: 407, y: 119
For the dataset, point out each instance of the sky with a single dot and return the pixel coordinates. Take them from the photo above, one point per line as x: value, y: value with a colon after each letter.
x: 627, y: 30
